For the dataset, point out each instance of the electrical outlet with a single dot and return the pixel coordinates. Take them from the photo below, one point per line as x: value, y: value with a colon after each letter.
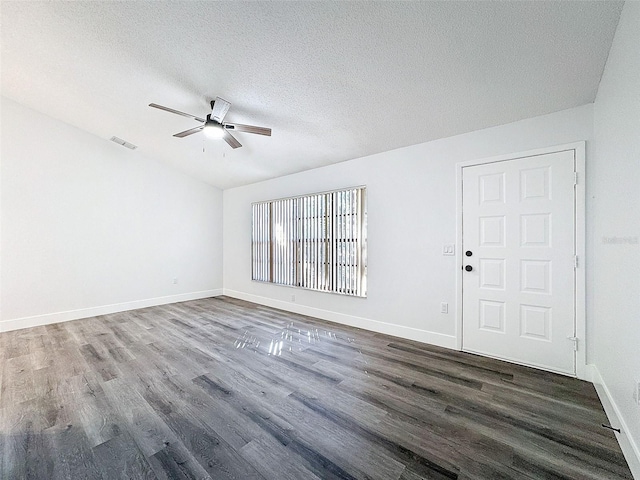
x: 444, y: 307
x: 293, y: 298
x: 636, y: 393
x: 175, y: 281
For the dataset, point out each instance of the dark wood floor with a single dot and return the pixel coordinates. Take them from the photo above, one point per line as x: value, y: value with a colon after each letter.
x: 221, y: 388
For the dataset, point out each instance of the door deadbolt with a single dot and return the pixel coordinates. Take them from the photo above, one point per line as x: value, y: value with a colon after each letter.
x: 468, y: 253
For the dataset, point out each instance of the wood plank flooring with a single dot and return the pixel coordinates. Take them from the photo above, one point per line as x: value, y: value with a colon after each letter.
x: 224, y: 389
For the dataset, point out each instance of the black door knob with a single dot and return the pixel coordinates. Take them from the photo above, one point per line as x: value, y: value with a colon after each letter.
x: 468, y: 253
x: 468, y: 268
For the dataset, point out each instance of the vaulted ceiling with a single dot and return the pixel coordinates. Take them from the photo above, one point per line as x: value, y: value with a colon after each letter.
x: 334, y: 80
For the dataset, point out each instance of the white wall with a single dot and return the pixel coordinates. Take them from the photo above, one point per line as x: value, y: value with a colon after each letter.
x: 411, y: 214
x: 614, y: 268
x: 90, y: 227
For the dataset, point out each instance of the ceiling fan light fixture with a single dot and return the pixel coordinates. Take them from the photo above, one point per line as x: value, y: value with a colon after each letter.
x: 213, y: 130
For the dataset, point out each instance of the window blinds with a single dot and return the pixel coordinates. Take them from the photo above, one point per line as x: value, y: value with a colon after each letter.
x: 313, y: 241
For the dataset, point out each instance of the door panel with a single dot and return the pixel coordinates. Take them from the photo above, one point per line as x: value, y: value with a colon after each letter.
x: 518, y: 222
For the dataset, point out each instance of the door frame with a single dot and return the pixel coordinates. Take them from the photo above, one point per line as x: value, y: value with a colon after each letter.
x: 578, y: 148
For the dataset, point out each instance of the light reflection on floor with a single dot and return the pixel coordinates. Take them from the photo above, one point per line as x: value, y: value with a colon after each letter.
x: 289, y: 340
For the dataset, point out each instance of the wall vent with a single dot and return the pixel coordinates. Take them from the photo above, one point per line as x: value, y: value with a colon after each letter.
x: 119, y: 141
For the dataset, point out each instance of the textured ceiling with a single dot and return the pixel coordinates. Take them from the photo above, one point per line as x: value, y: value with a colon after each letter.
x: 334, y: 80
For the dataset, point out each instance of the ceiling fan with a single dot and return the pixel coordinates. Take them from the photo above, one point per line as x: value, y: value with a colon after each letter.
x: 214, y: 125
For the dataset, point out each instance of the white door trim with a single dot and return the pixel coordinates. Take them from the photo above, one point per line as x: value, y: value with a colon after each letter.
x: 582, y: 370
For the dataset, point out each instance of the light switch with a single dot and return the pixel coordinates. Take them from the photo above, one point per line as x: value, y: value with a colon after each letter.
x: 449, y: 249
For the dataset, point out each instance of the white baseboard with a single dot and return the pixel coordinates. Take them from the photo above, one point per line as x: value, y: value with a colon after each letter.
x: 37, y: 320
x: 628, y: 444
x: 424, y: 336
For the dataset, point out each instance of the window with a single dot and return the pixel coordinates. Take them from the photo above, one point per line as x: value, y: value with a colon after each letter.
x: 314, y: 241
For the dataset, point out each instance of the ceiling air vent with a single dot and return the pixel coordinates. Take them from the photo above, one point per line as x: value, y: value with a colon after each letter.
x: 119, y: 141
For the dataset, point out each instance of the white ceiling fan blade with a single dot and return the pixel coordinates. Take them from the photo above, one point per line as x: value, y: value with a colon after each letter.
x: 189, y: 132
x: 230, y: 139
x: 219, y: 109
x: 171, y: 110
x: 238, y: 127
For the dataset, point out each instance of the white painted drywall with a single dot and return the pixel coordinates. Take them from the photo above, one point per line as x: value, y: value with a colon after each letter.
x: 411, y: 214
x: 614, y: 255
x: 88, y: 224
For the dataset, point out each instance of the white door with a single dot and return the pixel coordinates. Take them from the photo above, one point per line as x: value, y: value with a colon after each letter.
x: 518, y: 258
